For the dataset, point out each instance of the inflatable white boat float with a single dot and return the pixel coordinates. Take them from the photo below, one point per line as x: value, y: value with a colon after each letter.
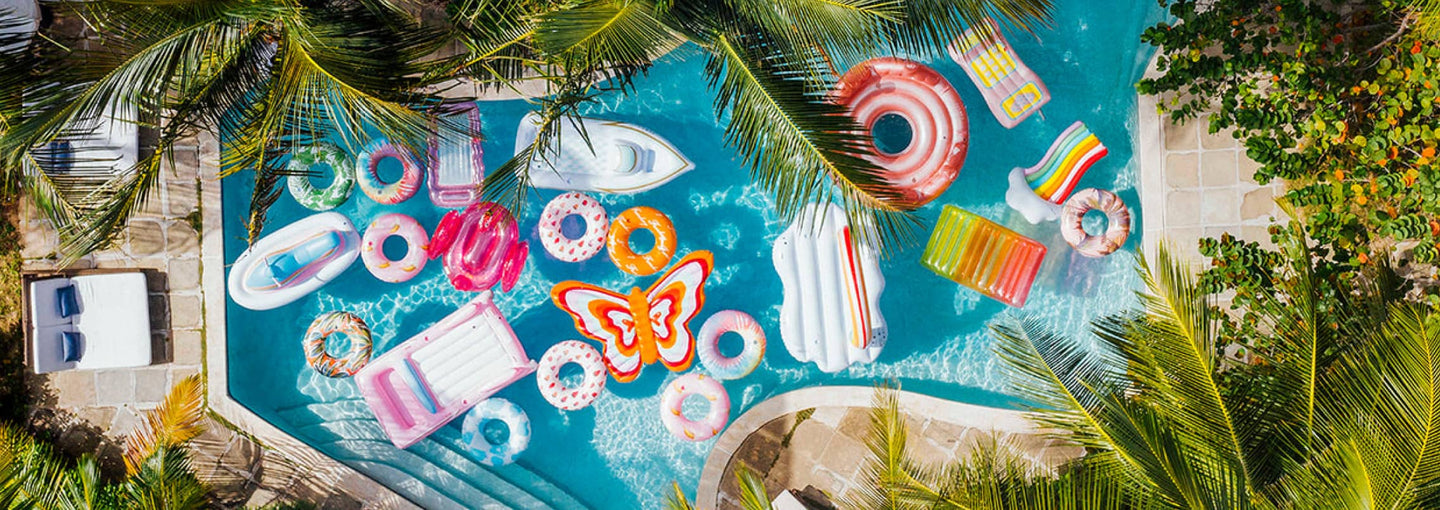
x: 831, y: 311
x: 626, y: 158
x: 294, y: 261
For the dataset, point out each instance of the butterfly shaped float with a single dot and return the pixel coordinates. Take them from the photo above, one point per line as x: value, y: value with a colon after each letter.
x: 639, y: 328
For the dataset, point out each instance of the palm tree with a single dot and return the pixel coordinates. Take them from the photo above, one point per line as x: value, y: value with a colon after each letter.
x: 1343, y: 412
x: 752, y: 492
x: 269, y: 75
x: 156, y: 459
x: 770, y: 63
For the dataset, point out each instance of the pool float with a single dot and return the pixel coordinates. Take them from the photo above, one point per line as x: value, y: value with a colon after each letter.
x: 319, y: 333
x: 293, y: 261
x: 1038, y: 191
x: 457, y: 165
x: 417, y: 243
x: 367, y: 167
x: 481, y: 246
x: 981, y: 254
x: 429, y: 379
x: 707, y: 344
x: 641, y: 328
x: 556, y: 392
x: 472, y: 431
x: 18, y: 23
x: 673, y: 399
x: 830, y: 314
x: 626, y: 158
x: 1116, y: 214
x: 1010, y: 88
x: 597, y: 226
x: 888, y: 89
x: 306, y: 194
x: 650, y: 262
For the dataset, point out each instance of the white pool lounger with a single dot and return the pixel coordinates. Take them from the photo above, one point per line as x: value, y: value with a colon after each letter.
x: 103, y: 323
x: 435, y: 376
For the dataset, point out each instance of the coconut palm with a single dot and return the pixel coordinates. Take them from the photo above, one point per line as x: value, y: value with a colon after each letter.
x: 1340, y: 412
x: 770, y: 64
x: 268, y: 75
x: 157, y: 464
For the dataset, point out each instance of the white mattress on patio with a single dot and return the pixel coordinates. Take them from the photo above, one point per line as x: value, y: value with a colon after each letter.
x: 113, y: 322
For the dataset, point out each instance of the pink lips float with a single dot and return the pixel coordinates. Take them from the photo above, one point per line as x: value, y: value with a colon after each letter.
x: 481, y: 246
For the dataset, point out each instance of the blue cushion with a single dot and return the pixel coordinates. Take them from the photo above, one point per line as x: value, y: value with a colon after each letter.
x: 65, y: 302
x: 70, y: 346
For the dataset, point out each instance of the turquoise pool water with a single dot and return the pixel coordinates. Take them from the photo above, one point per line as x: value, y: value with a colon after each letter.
x: 616, y: 454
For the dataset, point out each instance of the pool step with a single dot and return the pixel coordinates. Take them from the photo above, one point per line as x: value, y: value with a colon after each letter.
x: 336, y: 425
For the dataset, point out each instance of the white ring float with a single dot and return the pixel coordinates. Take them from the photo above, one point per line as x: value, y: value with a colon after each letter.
x: 597, y: 226
x: 707, y: 344
x: 685, y: 429
x: 547, y: 376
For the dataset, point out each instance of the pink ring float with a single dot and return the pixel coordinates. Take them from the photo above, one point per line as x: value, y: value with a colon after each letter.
x: 481, y: 246
x: 372, y: 251
x: 556, y: 392
x: 888, y: 85
x: 694, y: 383
x: 597, y: 226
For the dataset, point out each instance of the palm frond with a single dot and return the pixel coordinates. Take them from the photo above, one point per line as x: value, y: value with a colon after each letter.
x: 498, y: 36
x: 164, y: 482
x: 752, y: 489
x: 1427, y: 18
x: 847, y: 29
x: 800, y: 147
x: 931, y: 25
x: 599, y: 34
x: 178, y: 419
x: 676, y: 500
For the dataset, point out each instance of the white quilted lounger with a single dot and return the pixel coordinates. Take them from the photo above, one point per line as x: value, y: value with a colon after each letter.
x: 113, y: 321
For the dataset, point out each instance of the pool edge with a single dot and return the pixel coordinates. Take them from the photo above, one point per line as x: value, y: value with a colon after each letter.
x: 370, y: 493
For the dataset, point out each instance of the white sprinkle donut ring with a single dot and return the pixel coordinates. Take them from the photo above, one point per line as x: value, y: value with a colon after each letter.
x: 367, y: 174
x: 707, y: 344
x: 597, y: 226
x: 372, y: 249
x: 1084, y: 201
x: 694, y: 383
x: 547, y: 376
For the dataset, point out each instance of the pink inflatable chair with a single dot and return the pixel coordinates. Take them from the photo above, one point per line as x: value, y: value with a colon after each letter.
x: 481, y: 246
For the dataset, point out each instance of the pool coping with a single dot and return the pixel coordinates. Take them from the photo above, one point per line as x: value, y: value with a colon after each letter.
x: 707, y: 494
x: 369, y: 492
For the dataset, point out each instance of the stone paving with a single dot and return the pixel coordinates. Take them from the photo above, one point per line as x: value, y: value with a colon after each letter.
x: 828, y: 451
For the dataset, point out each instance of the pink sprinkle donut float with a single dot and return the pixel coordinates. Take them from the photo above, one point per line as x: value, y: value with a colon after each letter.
x: 597, y: 226
x: 416, y: 240
x: 891, y: 92
x: 685, y: 429
x: 367, y: 173
x: 1072, y: 219
x: 481, y: 246
x: 556, y: 392
x: 707, y: 344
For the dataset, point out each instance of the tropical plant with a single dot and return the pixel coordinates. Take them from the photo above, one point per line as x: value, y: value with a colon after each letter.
x: 771, y: 65
x: 752, y: 492
x: 1339, y: 411
x: 1337, y: 99
x: 157, y: 463
x: 268, y: 75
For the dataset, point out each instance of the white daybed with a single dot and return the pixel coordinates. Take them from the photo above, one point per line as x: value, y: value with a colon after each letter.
x: 111, y: 317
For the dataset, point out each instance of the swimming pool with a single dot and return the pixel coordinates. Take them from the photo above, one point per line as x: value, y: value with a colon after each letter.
x: 616, y: 454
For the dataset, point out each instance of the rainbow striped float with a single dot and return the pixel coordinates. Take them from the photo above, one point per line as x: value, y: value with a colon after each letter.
x: 1038, y: 191
x: 980, y: 254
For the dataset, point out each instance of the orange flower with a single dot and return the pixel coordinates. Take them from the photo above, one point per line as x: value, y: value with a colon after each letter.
x: 1364, y: 259
x: 1409, y: 178
x: 1394, y: 152
x: 1361, y: 200
x: 1339, y: 175
x: 1415, y: 49
x: 1428, y: 152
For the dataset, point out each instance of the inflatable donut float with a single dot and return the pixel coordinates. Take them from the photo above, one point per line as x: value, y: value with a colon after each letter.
x: 472, y: 431
x: 1073, y: 216
x: 673, y: 399
x: 373, y: 254
x: 367, y: 173
x: 887, y: 90
x: 306, y: 194
x: 547, y: 376
x: 648, y: 263
x: 707, y: 344
x: 597, y: 226
x: 327, y: 325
